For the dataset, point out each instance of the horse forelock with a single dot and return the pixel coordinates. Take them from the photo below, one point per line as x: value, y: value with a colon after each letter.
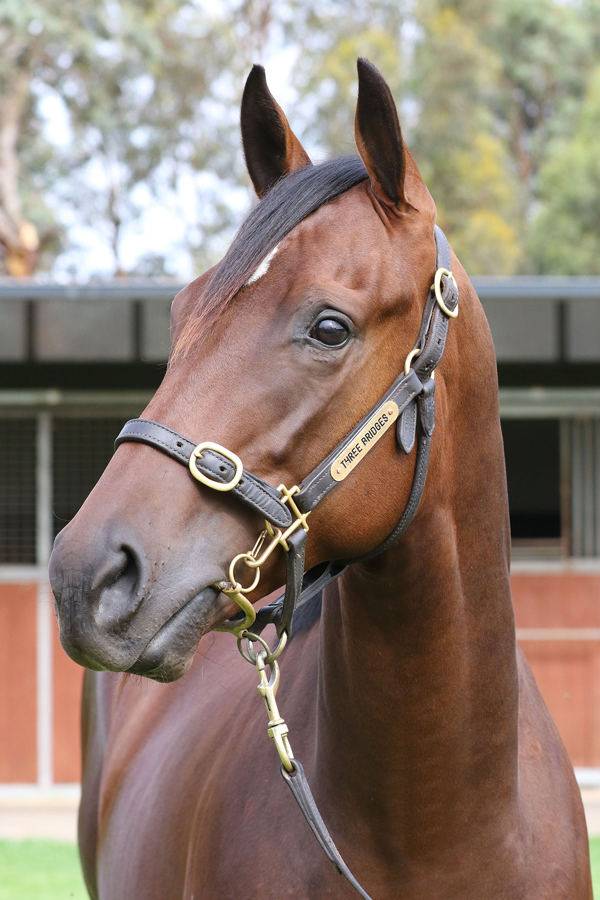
x: 290, y: 201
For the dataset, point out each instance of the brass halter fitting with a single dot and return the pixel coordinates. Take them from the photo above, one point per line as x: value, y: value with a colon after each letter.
x: 437, y: 288
x: 256, y: 557
x: 201, y: 477
x: 277, y: 728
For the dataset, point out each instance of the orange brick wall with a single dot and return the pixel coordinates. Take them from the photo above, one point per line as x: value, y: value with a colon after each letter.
x: 567, y: 672
x: 18, y: 702
x: 18, y: 762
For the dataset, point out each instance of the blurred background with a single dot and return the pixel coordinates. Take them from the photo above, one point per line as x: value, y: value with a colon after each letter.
x: 122, y: 177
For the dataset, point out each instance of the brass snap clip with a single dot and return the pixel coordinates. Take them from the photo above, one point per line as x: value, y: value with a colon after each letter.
x: 277, y: 727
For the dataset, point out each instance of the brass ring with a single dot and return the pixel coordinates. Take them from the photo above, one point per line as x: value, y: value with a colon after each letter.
x: 410, y: 358
x: 237, y: 586
x: 452, y: 313
x: 201, y: 477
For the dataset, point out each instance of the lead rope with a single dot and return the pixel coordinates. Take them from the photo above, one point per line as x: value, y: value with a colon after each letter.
x: 293, y: 541
x: 291, y: 768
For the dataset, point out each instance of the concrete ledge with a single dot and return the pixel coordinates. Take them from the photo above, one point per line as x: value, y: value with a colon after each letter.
x: 591, y: 804
x: 27, y: 811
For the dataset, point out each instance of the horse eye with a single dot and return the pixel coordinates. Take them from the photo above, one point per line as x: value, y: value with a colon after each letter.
x: 330, y: 332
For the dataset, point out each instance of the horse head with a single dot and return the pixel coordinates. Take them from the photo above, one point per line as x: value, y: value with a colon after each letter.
x: 277, y: 353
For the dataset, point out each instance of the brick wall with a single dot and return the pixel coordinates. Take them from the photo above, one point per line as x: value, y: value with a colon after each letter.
x: 567, y: 671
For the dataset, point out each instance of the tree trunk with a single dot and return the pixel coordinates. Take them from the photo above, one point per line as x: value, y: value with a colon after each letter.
x: 18, y: 237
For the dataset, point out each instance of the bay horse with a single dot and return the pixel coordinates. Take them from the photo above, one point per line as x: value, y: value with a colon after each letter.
x: 430, y: 753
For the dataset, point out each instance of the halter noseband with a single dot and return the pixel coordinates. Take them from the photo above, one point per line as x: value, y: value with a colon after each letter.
x: 410, y: 404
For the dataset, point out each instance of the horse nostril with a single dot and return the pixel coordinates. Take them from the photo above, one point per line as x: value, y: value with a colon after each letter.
x: 128, y: 573
x: 118, y: 591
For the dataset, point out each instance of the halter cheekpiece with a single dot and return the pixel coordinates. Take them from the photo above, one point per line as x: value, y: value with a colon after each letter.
x: 409, y: 404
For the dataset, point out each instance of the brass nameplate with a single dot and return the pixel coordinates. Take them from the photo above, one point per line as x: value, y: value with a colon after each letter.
x: 352, y: 453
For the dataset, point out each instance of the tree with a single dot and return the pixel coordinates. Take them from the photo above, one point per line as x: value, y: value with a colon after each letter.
x: 149, y: 90
x: 545, y: 50
x: 329, y: 38
x: 442, y: 74
x: 565, y: 234
x: 148, y: 87
x: 462, y: 159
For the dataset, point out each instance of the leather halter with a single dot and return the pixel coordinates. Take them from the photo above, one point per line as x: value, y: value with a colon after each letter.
x: 410, y: 403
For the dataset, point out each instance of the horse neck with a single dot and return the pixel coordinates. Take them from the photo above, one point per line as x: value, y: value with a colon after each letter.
x: 418, y: 694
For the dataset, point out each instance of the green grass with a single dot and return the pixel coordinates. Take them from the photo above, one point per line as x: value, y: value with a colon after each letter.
x: 45, y: 870
x: 595, y: 860
x: 40, y: 870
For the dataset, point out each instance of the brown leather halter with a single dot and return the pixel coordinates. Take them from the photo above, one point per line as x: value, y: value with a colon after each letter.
x: 410, y: 403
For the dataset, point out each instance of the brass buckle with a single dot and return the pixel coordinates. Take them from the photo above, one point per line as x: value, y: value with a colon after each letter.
x: 201, y: 477
x: 437, y: 287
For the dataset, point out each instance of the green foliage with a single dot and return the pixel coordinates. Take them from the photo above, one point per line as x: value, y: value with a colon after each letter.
x: 332, y: 36
x: 463, y: 161
x: 485, y: 91
x: 565, y: 235
x: 546, y: 52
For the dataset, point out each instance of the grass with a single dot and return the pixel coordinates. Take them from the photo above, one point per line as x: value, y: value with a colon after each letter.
x: 595, y: 860
x: 46, y: 870
x: 40, y: 870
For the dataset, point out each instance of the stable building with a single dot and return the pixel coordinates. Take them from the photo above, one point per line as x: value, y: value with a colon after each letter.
x: 77, y: 362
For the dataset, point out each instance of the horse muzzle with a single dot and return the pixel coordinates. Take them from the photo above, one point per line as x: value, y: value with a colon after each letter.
x: 115, y: 614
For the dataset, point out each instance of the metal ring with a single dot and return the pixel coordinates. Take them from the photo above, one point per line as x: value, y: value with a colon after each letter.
x: 237, y: 586
x: 248, y: 655
x: 410, y: 358
x: 270, y: 656
x: 451, y: 313
x: 200, y: 476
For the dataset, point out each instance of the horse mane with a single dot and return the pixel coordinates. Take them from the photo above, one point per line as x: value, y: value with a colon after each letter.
x: 290, y: 201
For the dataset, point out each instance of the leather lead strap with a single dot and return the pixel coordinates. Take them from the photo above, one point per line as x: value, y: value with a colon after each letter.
x: 300, y: 788
x: 294, y: 561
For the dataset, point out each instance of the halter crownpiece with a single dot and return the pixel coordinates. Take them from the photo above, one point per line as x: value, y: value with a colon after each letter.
x: 409, y: 404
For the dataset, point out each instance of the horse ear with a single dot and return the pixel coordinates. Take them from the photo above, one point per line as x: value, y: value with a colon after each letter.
x: 271, y: 148
x: 378, y: 136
